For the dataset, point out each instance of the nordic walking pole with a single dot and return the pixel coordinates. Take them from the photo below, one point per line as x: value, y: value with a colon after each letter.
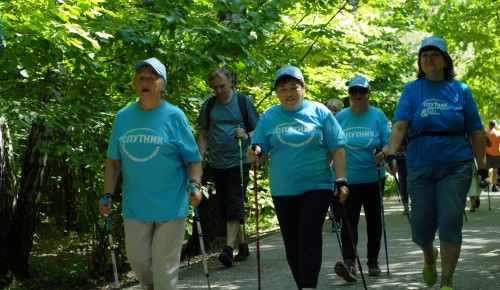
x: 256, y: 192
x: 338, y: 237
x: 335, y: 225
x: 200, y: 237
x: 489, y: 202
x: 241, y: 184
x: 351, y: 236
x: 111, y: 245
x: 381, y: 191
x: 405, y: 205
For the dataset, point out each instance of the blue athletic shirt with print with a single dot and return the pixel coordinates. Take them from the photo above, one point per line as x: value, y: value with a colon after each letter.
x: 224, y: 151
x: 153, y: 146
x: 298, y: 142
x: 364, y: 133
x: 438, y: 106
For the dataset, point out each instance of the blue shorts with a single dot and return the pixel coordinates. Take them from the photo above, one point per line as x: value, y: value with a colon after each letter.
x: 438, y: 196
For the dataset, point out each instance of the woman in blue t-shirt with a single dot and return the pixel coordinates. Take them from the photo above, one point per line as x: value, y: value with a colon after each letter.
x: 303, y: 139
x: 442, y: 121
x: 152, y: 145
x: 367, y: 131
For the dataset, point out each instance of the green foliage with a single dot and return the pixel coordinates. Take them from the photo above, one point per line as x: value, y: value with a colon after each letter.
x: 390, y: 188
x: 1, y: 38
x: 54, y: 251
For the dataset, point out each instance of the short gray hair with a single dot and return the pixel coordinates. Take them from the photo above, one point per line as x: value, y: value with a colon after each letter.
x: 332, y: 104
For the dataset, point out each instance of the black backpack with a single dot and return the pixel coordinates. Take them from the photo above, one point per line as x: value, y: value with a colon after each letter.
x: 242, y: 104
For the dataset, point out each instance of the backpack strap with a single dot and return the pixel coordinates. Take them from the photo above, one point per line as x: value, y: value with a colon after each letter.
x: 208, y: 110
x: 242, y: 104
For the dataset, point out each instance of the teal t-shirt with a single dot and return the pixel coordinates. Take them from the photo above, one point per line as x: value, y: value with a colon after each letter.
x: 298, y: 142
x: 224, y: 151
x: 364, y: 133
x: 153, y: 146
x: 438, y: 106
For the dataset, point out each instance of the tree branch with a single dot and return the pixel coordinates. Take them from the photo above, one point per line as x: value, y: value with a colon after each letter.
x: 317, y: 37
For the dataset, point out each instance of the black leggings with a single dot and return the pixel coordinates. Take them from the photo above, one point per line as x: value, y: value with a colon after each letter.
x: 301, y: 220
x: 368, y: 196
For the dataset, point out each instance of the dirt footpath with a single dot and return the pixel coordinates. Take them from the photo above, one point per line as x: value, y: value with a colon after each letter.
x: 478, y: 268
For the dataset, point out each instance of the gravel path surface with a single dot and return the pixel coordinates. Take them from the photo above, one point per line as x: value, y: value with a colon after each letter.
x: 478, y: 268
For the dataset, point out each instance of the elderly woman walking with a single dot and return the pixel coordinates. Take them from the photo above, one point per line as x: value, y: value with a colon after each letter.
x: 152, y: 144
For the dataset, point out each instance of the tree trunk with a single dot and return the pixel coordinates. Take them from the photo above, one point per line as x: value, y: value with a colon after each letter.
x: 25, y: 214
x: 68, y: 186
x: 7, y: 182
x: 26, y: 211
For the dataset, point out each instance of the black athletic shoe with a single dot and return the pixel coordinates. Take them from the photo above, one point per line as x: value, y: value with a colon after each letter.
x: 494, y: 189
x: 243, y: 253
x: 346, y: 270
x: 226, y: 257
x: 373, y: 268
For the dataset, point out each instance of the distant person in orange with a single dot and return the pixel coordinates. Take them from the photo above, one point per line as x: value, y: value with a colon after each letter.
x: 493, y: 153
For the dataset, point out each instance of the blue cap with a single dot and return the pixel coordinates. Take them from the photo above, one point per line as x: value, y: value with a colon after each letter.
x: 154, y: 63
x: 436, y: 42
x: 359, y: 81
x: 290, y: 71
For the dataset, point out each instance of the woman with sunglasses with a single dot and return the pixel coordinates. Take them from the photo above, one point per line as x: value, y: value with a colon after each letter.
x: 367, y: 131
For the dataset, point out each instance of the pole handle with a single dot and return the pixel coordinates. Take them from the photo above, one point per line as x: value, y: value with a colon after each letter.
x: 192, y: 191
x: 377, y: 150
x: 108, y: 220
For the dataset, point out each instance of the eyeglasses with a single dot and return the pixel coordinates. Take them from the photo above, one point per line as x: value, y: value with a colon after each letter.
x: 358, y: 90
